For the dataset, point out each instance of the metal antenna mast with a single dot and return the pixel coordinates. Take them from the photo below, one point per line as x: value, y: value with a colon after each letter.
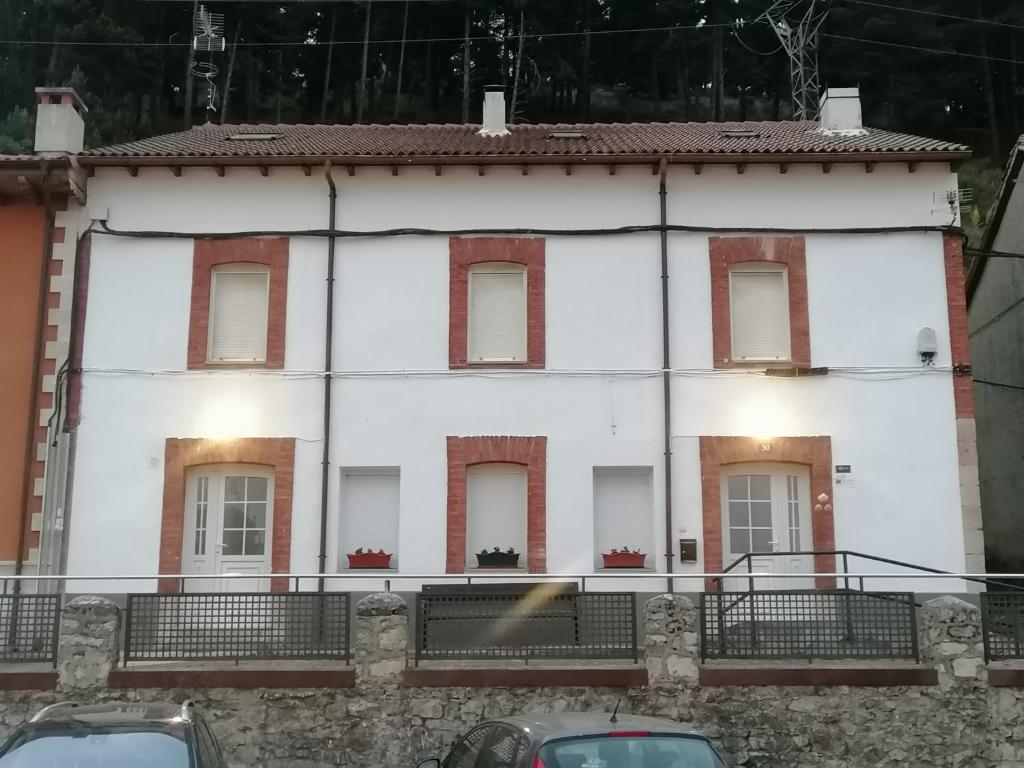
x: 796, y: 24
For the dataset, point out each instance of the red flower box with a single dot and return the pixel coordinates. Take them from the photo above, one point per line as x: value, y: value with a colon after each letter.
x: 623, y: 559
x: 369, y: 560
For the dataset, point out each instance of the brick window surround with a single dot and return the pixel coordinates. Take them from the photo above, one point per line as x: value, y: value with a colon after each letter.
x: 727, y: 252
x: 463, y: 253
x: 813, y: 452
x: 530, y: 452
x: 271, y: 252
x: 181, y: 454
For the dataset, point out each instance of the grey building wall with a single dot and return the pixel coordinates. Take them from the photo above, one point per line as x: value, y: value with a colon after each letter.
x: 996, y: 322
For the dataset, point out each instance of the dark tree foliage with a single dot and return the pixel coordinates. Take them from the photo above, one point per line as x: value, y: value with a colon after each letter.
x: 303, y: 62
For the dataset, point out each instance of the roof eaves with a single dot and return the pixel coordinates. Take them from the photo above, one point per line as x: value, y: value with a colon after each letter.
x: 723, y: 157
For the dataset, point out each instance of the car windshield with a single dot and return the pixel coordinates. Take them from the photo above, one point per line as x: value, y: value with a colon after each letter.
x: 90, y: 748
x: 629, y: 751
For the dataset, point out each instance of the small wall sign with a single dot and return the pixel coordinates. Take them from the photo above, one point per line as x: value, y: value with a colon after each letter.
x: 844, y: 475
x: 765, y: 447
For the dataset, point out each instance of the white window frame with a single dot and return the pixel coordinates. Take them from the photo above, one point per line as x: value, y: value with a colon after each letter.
x: 344, y: 547
x: 236, y: 269
x: 522, y: 545
x: 761, y: 267
x: 495, y: 267
x: 649, y: 544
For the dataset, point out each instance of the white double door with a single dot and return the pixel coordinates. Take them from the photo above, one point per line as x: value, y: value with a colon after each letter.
x: 228, y: 526
x: 766, y: 514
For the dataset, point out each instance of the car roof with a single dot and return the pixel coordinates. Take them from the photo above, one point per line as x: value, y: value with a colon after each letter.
x: 136, y: 713
x: 568, y: 724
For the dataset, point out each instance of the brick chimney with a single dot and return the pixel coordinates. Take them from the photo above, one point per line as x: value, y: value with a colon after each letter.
x: 60, y: 126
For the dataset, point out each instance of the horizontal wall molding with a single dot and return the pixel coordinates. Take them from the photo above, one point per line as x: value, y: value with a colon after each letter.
x: 525, y: 677
x: 871, y: 677
x: 240, y: 678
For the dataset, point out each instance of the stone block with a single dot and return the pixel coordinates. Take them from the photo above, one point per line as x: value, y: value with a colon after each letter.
x: 88, y: 645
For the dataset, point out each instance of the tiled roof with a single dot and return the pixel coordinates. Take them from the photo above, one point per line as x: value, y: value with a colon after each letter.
x: 524, y: 141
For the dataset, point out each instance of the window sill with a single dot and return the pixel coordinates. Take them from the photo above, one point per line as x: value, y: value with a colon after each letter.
x: 350, y: 571
x: 250, y: 366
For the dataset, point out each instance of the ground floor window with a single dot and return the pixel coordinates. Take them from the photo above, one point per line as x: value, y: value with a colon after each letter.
x: 368, y: 534
x: 496, y: 516
x: 623, y: 517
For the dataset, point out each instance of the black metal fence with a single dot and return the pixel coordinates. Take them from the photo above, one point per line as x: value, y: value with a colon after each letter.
x: 29, y: 627
x: 1002, y: 625
x: 823, y: 624
x: 542, y: 623
x: 219, y: 626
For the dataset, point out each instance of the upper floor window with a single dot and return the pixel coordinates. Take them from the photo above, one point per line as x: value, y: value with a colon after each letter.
x: 239, y: 301
x: 759, y: 309
x: 238, y: 314
x: 497, y: 313
x: 496, y: 302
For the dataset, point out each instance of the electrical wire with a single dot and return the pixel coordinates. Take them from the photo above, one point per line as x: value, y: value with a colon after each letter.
x: 945, y: 51
x: 103, y: 229
x: 937, y: 14
x: 999, y: 315
x: 382, y: 41
x: 736, y: 34
x: 998, y: 384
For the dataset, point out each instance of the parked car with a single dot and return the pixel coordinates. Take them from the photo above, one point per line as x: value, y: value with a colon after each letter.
x: 113, y: 736
x: 580, y: 740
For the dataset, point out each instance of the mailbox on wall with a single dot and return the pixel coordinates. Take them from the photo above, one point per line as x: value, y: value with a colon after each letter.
x: 688, y: 550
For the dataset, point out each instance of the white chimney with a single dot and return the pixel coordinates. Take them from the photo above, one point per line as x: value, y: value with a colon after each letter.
x: 59, y: 123
x: 840, y: 112
x: 493, y: 123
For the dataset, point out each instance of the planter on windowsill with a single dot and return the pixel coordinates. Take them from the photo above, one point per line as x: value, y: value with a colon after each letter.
x: 367, y: 559
x: 498, y: 559
x: 623, y: 558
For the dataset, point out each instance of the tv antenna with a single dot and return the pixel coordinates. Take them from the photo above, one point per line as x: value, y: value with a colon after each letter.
x: 207, y: 37
x: 796, y: 24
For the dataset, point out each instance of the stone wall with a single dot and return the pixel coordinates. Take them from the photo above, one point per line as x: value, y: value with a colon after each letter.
x: 962, y: 721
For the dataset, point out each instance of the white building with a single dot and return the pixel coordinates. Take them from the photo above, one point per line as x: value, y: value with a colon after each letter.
x: 500, y: 368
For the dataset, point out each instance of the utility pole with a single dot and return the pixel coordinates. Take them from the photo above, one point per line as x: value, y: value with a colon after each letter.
x: 796, y: 24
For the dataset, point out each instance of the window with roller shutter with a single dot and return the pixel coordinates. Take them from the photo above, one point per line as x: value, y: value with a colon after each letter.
x: 238, y: 307
x: 495, y: 510
x: 496, y: 302
x: 623, y: 511
x: 759, y: 304
x: 497, y: 313
x: 238, y: 314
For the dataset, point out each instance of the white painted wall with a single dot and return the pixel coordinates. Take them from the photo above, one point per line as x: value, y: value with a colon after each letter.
x: 599, y: 402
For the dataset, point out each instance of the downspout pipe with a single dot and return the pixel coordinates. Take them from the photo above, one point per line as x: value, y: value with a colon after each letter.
x: 666, y: 371
x: 328, y: 355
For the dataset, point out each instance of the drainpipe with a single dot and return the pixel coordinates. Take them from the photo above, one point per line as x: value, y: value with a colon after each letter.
x: 666, y: 376
x: 328, y: 348
x: 30, y: 448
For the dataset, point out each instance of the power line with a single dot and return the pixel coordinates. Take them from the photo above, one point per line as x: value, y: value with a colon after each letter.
x: 945, y: 51
x: 325, y: 43
x: 936, y: 13
x: 998, y: 384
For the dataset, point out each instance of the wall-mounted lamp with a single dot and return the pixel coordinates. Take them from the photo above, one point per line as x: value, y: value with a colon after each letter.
x: 927, y: 346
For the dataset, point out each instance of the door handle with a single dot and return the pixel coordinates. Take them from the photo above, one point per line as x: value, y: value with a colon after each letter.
x: 220, y: 547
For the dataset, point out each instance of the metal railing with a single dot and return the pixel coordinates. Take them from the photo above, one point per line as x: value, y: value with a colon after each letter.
x: 539, y: 623
x: 237, y: 626
x: 29, y: 627
x: 818, y: 624
x: 843, y: 556
x: 1002, y: 625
